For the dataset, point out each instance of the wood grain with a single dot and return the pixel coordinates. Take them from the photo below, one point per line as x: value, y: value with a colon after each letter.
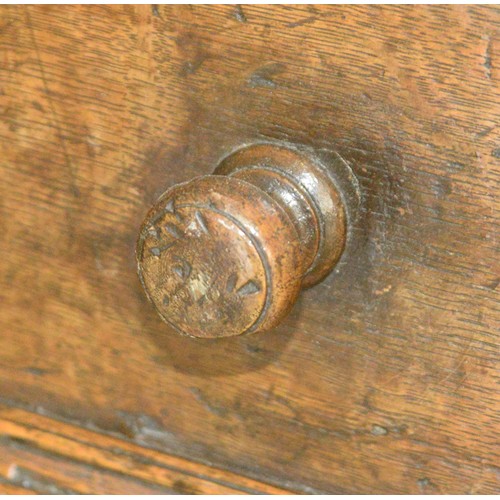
x: 52, y: 457
x: 384, y: 379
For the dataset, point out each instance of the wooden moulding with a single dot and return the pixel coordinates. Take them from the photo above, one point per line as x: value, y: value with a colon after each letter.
x: 41, y: 455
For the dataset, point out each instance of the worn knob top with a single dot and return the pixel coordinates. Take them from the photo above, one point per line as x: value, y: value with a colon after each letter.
x: 227, y: 254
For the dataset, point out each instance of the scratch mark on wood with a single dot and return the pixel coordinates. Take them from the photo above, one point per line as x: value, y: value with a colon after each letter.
x: 35, y: 481
x: 263, y: 77
x: 211, y: 407
x: 155, y: 10
x: 239, y: 14
x: 378, y: 430
x: 55, y: 120
x: 307, y: 20
x: 485, y: 132
x: 487, y: 58
x: 33, y: 370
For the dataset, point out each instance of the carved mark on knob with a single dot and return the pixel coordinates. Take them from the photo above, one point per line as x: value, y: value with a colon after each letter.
x: 197, y: 271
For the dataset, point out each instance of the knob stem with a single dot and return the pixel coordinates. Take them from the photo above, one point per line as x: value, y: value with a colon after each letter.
x: 306, y: 190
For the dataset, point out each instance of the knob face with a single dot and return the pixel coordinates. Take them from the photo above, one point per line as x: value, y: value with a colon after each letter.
x: 211, y: 258
x: 227, y: 254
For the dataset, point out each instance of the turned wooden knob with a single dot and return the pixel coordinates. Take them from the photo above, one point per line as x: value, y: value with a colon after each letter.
x: 227, y: 254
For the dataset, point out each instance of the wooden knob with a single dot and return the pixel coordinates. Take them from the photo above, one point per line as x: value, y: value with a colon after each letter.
x: 227, y: 254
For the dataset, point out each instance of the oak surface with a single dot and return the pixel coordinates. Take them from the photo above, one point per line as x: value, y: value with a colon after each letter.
x: 384, y: 378
x: 40, y: 454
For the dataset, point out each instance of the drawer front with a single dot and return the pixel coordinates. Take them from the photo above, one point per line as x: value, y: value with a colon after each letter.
x: 383, y: 377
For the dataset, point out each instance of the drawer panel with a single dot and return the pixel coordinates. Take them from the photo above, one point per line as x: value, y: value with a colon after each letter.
x: 382, y: 379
